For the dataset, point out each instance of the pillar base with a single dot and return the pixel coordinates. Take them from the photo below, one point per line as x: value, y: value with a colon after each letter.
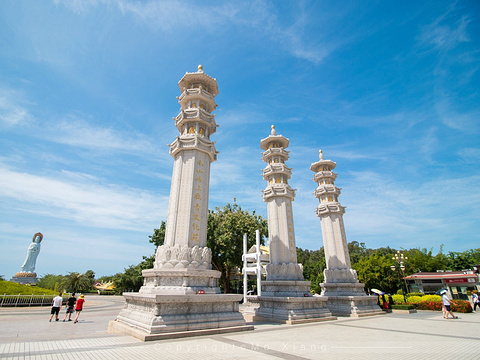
x: 288, y: 302
x: 150, y: 317
x: 288, y: 310
x: 349, y: 299
x: 286, y: 288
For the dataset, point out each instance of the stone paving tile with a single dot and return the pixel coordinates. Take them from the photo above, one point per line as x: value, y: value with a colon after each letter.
x: 424, y: 335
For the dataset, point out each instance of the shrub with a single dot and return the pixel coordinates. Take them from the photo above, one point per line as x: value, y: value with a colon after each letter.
x: 403, y: 307
x: 430, y: 298
x: 415, y: 294
x: 434, y: 302
x: 398, y: 299
x: 429, y: 305
x: 414, y: 299
x: 461, y: 306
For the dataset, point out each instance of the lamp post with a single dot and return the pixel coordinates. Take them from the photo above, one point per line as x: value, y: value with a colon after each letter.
x: 400, y: 259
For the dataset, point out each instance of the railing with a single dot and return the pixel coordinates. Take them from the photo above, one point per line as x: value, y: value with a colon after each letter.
x: 196, y: 92
x: 27, y: 300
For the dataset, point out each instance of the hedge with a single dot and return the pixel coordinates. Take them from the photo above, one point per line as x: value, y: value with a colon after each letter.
x: 403, y: 307
x: 431, y: 302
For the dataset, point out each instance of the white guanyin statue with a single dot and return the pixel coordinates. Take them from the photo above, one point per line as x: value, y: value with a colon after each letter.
x: 32, y: 253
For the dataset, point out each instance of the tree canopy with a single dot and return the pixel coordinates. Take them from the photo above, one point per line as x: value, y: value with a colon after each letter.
x: 226, y: 227
x: 373, y: 265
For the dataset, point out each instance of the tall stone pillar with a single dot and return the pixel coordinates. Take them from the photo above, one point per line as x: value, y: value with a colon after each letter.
x: 181, y: 294
x: 285, y: 295
x: 346, y: 296
x: 279, y: 197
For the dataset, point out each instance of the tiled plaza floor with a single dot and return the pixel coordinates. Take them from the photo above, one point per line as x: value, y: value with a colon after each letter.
x: 27, y: 334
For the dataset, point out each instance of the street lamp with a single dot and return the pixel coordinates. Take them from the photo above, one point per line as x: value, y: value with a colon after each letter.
x: 400, y: 259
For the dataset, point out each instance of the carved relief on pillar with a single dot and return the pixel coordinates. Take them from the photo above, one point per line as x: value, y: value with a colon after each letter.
x: 183, y: 257
x: 340, y: 276
x: 285, y: 271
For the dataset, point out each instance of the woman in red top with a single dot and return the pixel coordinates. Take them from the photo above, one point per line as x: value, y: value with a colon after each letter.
x: 79, y: 307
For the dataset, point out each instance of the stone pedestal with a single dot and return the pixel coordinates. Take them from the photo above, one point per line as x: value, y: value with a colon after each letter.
x: 180, y: 281
x: 288, y: 302
x: 153, y: 316
x: 349, y: 299
x: 179, y: 303
x: 25, y: 278
x: 346, y: 296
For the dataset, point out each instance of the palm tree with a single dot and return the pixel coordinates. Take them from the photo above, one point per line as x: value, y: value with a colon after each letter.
x: 75, y: 282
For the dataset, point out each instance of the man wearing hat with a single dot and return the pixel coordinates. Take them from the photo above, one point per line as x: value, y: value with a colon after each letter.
x: 447, y: 303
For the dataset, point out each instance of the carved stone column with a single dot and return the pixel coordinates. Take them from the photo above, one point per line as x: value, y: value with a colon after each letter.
x: 285, y: 295
x: 180, y: 295
x: 346, y: 296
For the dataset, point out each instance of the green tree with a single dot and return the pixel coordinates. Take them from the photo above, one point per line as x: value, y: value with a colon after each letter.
x: 463, y: 260
x: 313, y: 265
x: 225, y: 230
x: 158, y: 236
x: 374, y: 271
x: 90, y: 275
x: 75, y: 282
x: 357, y: 251
x: 131, y: 279
x: 50, y: 281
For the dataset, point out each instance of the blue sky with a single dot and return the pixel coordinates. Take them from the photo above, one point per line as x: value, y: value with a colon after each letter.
x: 388, y: 90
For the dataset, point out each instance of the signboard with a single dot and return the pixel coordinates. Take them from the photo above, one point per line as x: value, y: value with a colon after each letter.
x: 458, y: 281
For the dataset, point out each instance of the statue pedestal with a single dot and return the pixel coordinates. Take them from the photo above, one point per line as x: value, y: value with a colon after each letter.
x: 285, y: 302
x: 179, y: 303
x: 25, y: 278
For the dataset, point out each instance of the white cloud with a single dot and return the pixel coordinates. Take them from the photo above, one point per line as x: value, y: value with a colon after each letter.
x: 409, y: 211
x: 77, y: 197
x: 77, y: 132
x: 259, y: 16
x: 467, y: 121
x: 470, y: 155
x: 444, y: 37
x: 12, y: 112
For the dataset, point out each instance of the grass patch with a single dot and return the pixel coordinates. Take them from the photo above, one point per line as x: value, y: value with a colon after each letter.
x: 12, y: 288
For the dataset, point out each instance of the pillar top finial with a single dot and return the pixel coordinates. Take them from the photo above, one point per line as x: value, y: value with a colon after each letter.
x: 320, y: 154
x: 200, y: 68
x: 274, y: 132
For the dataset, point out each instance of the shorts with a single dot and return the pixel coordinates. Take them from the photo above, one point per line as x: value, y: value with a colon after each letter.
x: 78, y: 310
x: 69, y: 309
x: 55, y: 310
x: 447, y: 307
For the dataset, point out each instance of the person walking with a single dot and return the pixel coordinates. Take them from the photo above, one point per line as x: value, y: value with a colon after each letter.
x: 384, y: 303
x: 57, y: 304
x: 79, y: 307
x: 447, y: 302
x: 390, y: 301
x: 476, y: 301
x: 70, y: 307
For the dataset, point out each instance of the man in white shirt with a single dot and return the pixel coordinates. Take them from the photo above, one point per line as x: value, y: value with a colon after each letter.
x: 447, y: 303
x: 57, y: 304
